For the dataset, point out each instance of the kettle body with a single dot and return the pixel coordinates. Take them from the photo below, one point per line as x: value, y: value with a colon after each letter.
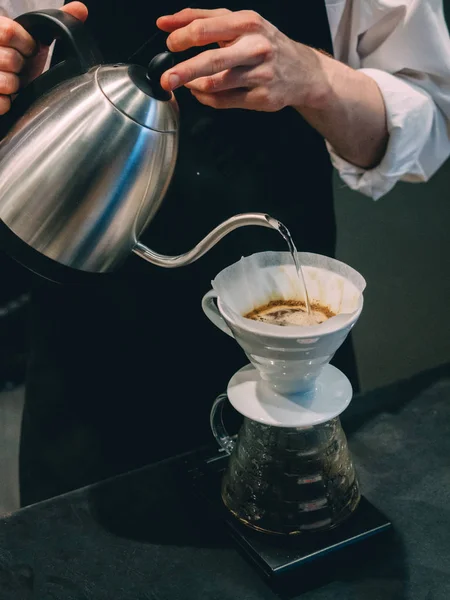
x: 86, y: 155
x: 81, y: 178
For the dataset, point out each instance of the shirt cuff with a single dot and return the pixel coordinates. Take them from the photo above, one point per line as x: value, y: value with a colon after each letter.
x: 410, y: 113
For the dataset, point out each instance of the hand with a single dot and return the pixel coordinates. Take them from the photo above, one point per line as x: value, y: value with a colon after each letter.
x: 255, y: 67
x: 21, y: 60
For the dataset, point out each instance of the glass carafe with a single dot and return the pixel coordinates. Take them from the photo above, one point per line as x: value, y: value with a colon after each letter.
x: 287, y: 480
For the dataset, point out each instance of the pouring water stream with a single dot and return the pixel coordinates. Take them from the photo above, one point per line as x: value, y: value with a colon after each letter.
x: 284, y: 232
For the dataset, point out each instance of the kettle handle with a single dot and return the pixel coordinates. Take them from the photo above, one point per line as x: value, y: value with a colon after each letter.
x: 82, y: 54
x: 46, y: 26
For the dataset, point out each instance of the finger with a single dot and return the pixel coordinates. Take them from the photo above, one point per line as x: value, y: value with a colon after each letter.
x: 224, y: 100
x: 5, y: 104
x: 13, y: 35
x: 77, y: 10
x: 35, y: 66
x: 11, y: 60
x: 258, y: 98
x: 239, y: 77
x: 211, y: 62
x: 217, y: 29
x: 184, y: 17
x: 9, y: 83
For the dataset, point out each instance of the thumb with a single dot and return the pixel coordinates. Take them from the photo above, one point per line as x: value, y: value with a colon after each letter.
x: 77, y: 10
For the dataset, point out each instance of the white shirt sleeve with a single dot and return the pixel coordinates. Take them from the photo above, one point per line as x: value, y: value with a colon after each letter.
x: 404, y: 46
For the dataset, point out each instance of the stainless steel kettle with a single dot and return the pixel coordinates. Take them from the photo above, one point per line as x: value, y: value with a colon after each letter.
x: 87, y: 154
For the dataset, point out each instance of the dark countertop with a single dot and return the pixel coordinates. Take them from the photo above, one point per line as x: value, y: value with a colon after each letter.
x: 140, y: 537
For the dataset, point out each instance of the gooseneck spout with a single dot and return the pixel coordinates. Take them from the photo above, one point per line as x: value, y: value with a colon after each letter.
x: 243, y: 220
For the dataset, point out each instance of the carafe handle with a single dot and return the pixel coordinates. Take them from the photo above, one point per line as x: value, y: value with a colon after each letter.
x: 223, y: 438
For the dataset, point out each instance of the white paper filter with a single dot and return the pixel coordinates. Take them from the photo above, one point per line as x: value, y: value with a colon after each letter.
x: 258, y: 279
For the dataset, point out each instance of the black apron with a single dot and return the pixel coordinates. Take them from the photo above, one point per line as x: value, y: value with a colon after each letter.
x: 125, y: 372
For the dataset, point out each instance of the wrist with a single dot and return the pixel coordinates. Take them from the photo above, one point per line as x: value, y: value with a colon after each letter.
x: 317, y: 91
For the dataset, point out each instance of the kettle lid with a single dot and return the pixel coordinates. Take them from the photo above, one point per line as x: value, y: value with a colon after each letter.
x: 137, y: 92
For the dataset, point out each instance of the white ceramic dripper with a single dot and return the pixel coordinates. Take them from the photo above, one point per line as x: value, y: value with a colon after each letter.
x: 288, y: 359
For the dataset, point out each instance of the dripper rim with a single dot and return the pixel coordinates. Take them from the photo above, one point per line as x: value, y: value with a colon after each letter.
x: 340, y: 322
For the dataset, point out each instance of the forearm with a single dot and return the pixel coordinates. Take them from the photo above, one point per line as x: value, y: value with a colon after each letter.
x: 348, y: 110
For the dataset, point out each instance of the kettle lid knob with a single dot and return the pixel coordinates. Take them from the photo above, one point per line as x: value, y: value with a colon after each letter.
x: 156, y: 67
